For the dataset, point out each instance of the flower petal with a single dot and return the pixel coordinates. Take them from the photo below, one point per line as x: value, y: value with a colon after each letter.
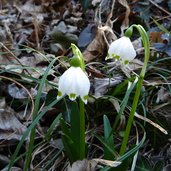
x: 122, y: 49
x: 72, y: 96
x: 74, y: 82
x: 84, y: 99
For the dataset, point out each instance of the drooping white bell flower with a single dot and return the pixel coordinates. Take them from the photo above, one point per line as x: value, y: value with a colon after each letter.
x: 122, y: 50
x: 74, y: 82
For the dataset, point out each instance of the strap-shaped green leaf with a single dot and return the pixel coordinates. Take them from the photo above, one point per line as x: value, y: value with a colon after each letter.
x: 108, y: 138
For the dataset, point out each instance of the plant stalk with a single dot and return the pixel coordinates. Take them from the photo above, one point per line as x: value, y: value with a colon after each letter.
x: 146, y: 45
x: 82, y: 130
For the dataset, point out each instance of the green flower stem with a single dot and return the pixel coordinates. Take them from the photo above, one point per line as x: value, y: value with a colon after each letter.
x: 82, y: 130
x: 146, y: 45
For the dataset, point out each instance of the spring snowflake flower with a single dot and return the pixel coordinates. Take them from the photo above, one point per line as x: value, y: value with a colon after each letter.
x: 122, y: 50
x: 74, y: 82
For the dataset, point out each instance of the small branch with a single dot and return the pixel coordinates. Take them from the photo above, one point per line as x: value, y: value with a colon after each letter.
x: 162, y: 9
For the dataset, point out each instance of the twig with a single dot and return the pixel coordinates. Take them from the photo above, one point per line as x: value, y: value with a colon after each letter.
x: 162, y: 9
x: 37, y: 29
x: 152, y: 123
x: 14, y: 57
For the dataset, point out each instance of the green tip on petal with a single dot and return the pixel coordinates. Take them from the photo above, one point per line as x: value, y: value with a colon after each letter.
x: 126, y: 62
x: 84, y: 99
x: 72, y: 96
x: 107, y: 56
x: 117, y: 57
x: 59, y: 94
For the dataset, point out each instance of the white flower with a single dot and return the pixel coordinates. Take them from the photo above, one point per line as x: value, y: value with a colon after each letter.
x: 122, y: 49
x: 74, y: 82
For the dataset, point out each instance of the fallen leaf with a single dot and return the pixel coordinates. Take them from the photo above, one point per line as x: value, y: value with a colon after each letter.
x: 86, y: 36
x: 165, y: 46
x: 163, y: 95
x: 108, y: 162
x: 101, y: 85
x: 13, y: 169
x: 95, y: 2
x: 167, y: 167
x: 83, y: 165
x: 155, y: 37
x: 10, y: 127
x: 19, y: 93
x: 125, y: 23
x: 63, y: 37
x: 143, y: 8
x: 98, y: 47
x: 4, y: 160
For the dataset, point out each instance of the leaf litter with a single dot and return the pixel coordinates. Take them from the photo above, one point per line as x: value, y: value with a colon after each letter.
x: 34, y: 32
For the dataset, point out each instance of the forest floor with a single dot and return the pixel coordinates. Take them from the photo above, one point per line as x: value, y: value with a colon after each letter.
x: 35, y: 32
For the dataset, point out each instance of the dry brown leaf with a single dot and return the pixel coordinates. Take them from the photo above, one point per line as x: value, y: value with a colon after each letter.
x: 108, y: 162
x: 163, y: 95
x: 10, y: 127
x: 83, y: 165
x: 98, y: 47
x: 20, y: 93
x: 28, y: 8
x: 101, y: 85
x: 125, y: 23
x: 93, y: 72
x: 155, y: 37
x: 135, y: 64
x: 89, y: 165
x: 13, y: 169
x: 152, y: 123
x: 95, y: 2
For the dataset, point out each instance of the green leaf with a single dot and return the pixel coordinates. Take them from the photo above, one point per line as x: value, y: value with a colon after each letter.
x: 34, y: 123
x: 120, y: 88
x: 75, y: 131
x: 158, y: 166
x: 71, y: 137
x: 65, y: 129
x: 36, y: 117
x: 68, y: 144
x: 124, y: 165
x: 143, y: 164
x: 67, y: 141
x: 127, y: 157
x: 108, y: 138
x: 107, y: 146
x: 53, y: 125
x: 125, y: 101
